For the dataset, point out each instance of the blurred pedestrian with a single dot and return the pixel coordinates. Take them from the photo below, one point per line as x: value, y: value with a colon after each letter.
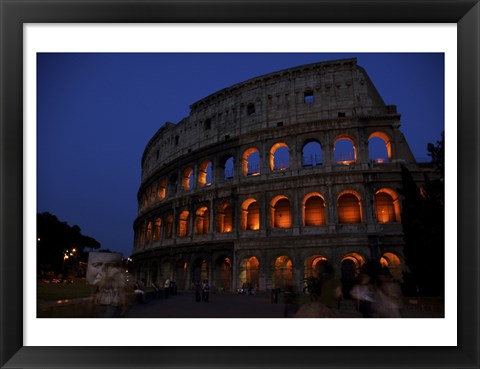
x: 156, y: 289
x: 389, y: 298
x: 139, y: 292
x: 364, y: 294
x: 205, y: 290
x: 166, y: 287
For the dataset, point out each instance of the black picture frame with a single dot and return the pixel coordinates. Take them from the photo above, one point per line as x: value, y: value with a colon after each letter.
x: 15, y: 13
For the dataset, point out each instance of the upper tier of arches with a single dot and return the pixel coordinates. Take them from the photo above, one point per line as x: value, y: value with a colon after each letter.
x: 329, y: 94
x: 279, y: 156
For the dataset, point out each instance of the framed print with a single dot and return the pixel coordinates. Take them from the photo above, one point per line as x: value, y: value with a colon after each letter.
x: 31, y: 341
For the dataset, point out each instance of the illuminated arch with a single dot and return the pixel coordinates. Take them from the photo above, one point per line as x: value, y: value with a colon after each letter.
x: 280, y: 213
x: 279, y: 156
x: 394, y: 265
x: 162, y: 189
x: 249, y: 272
x: 200, y: 269
x: 345, y: 150
x: 187, y: 179
x: 357, y: 260
x: 148, y: 234
x: 349, y: 208
x: 223, y: 273
x: 387, y: 206
x: 156, y: 229
x: 183, y: 224
x: 250, y: 215
x: 251, y: 162
x: 380, y: 153
x: 313, y: 207
x: 145, y: 197
x: 283, y: 272
x: 205, y: 173
x: 202, y: 221
x: 224, y: 218
x: 350, y: 266
x: 153, y: 191
x: 314, y: 265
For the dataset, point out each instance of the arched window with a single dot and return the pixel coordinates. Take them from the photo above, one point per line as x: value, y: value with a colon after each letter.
x: 345, y: 152
x: 281, y: 216
x: 153, y: 192
x: 183, y: 224
x: 229, y: 165
x: 387, y: 207
x: 379, y: 147
x: 314, y: 266
x: 283, y: 272
x: 250, y: 109
x: 162, y: 189
x: 349, y: 209
x: 312, y: 154
x: 252, y: 271
x: 187, y: 179
x: 205, y: 174
x: 202, y: 221
x: 251, y: 162
x: 314, y: 210
x: 156, y: 229
x: 224, y: 218
x: 279, y: 157
x: 249, y: 272
x: 223, y: 273
x: 350, y: 268
x: 148, y: 234
x: 393, y: 263
x: 250, y: 215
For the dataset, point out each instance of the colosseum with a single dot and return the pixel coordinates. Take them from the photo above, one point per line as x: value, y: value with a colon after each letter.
x: 267, y: 179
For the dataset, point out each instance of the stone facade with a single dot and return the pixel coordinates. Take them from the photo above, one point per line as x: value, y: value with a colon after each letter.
x: 251, y: 189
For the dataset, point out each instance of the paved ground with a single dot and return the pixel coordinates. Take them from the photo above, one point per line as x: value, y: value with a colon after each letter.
x: 183, y: 305
x: 226, y: 305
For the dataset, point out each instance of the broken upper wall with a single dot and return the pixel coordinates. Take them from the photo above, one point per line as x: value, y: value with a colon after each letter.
x: 313, y: 92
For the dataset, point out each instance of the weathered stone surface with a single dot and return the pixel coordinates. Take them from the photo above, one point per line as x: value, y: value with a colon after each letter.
x: 255, y: 225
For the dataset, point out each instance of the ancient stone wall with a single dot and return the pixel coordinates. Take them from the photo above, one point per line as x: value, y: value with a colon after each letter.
x: 233, y: 194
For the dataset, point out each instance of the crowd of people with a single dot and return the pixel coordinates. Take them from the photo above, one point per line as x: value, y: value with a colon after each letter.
x: 375, y: 292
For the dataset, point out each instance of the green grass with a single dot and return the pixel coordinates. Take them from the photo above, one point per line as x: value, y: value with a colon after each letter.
x: 54, y: 292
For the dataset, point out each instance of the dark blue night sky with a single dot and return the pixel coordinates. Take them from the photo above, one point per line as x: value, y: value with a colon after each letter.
x: 96, y: 113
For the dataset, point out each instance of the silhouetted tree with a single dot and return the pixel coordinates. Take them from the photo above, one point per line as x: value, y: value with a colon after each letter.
x: 54, y: 238
x: 423, y: 226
